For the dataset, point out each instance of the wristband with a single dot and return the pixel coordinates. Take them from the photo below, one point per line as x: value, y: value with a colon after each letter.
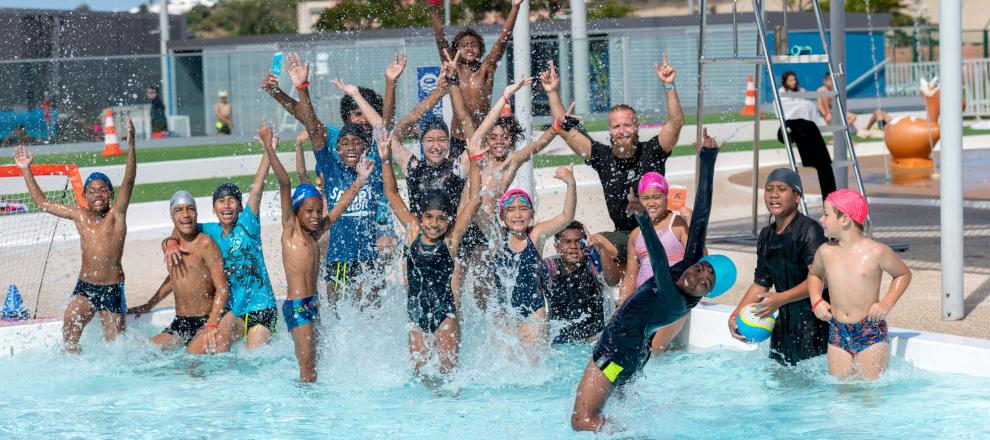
x: 506, y: 101
x: 168, y: 246
x: 210, y: 325
x: 672, y: 86
x: 302, y: 86
x: 815, y: 305
x: 476, y: 156
x: 557, y: 128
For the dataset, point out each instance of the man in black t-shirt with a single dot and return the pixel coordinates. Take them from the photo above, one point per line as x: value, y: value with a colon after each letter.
x: 621, y: 164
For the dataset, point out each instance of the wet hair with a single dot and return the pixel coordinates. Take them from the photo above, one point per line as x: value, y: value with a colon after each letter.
x: 347, y: 103
x: 618, y: 107
x: 573, y: 225
x: 788, y: 74
x: 826, y: 76
x: 227, y: 190
x: 511, y: 125
x: 839, y: 214
x: 354, y: 130
x: 438, y: 200
x: 468, y: 32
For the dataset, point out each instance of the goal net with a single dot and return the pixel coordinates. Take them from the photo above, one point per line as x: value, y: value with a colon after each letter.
x: 31, y: 239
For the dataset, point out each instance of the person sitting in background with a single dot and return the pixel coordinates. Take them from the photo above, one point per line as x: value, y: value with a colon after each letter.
x: 17, y: 136
x: 879, y: 118
x: 795, y: 108
x: 825, y: 102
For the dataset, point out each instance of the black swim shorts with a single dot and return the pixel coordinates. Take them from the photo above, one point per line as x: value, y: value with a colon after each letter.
x: 185, y: 327
x: 103, y: 297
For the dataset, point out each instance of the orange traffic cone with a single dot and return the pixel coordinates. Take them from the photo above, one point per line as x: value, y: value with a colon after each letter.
x: 111, y: 147
x: 749, y: 107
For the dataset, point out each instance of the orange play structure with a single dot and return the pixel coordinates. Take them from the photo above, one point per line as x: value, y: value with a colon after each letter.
x: 909, y: 139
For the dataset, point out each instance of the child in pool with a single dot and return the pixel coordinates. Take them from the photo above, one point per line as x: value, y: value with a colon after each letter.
x: 672, y: 231
x: 518, y: 264
x: 854, y: 265
x: 303, y: 223
x: 432, y: 249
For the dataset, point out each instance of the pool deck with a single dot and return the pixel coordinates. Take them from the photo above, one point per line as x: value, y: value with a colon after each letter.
x: 910, y: 220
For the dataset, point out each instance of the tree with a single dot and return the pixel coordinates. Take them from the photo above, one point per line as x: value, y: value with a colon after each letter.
x: 243, y: 17
x: 894, y: 7
x: 609, y: 9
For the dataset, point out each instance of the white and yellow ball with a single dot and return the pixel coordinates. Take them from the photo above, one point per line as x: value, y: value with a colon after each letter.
x: 753, y: 327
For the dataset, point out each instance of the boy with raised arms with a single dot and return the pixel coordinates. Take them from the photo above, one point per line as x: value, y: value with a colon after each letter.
x: 853, y: 265
x: 198, y: 282
x: 102, y: 228
x: 303, y: 223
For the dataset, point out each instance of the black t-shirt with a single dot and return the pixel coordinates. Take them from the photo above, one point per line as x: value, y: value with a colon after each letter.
x: 618, y: 175
x: 573, y: 300
x: 782, y: 262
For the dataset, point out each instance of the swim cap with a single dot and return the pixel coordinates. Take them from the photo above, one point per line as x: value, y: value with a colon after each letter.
x: 725, y: 273
x: 788, y: 176
x: 432, y: 122
x: 512, y: 195
x: 354, y: 130
x: 438, y: 200
x: 850, y: 203
x: 225, y: 190
x: 98, y: 176
x: 653, y: 180
x: 303, y: 192
x: 181, y: 197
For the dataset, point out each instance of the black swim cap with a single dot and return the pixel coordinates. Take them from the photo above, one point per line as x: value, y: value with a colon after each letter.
x: 354, y: 130
x: 225, y: 190
x: 438, y: 200
x: 432, y: 122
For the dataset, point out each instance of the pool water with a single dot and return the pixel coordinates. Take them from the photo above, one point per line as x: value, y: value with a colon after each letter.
x: 367, y: 389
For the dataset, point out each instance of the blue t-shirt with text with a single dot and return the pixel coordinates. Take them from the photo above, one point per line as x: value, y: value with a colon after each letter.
x: 244, y: 263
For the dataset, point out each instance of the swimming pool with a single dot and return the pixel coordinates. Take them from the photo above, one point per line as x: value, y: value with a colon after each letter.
x: 367, y: 390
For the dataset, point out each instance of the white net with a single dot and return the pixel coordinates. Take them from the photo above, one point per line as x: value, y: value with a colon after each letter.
x: 29, y: 235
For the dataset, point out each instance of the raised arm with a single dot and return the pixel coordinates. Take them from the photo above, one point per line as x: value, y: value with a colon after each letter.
x: 23, y: 158
x: 258, y: 185
x: 284, y: 183
x: 123, y: 198
x: 301, y: 172
x: 546, y: 228
x: 364, y: 169
x: 392, y: 74
x: 707, y: 153
x: 442, y: 45
x: 577, y: 141
x: 303, y: 109
x: 496, y: 110
x: 672, y: 129
x: 431, y: 100
x: 354, y: 92
x: 498, y: 49
x: 470, y: 204
x: 385, y: 146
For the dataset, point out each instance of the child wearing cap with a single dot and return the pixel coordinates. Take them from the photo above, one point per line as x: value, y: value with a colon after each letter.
x: 784, y: 251
x: 672, y: 231
x: 622, y: 350
x: 303, y: 222
x: 854, y: 265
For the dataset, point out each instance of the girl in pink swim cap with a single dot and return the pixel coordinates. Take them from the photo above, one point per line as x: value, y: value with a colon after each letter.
x: 672, y: 230
x: 518, y: 260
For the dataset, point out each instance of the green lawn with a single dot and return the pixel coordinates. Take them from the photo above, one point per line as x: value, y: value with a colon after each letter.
x: 689, y: 119
x: 160, y: 154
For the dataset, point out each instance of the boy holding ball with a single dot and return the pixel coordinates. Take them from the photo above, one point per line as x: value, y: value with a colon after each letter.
x: 854, y: 266
x: 784, y: 251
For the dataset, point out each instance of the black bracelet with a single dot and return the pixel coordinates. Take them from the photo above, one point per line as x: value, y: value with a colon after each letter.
x: 570, y: 122
x: 453, y: 80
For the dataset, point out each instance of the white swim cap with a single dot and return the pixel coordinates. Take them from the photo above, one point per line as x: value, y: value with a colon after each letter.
x: 181, y: 197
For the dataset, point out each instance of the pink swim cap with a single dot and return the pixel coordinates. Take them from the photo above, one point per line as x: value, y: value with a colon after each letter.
x: 653, y: 180
x: 511, y: 195
x: 850, y: 203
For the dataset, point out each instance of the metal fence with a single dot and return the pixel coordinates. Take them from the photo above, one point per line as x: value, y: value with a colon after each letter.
x: 904, y: 80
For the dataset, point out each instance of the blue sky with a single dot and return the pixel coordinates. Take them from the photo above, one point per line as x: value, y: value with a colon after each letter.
x: 99, y: 5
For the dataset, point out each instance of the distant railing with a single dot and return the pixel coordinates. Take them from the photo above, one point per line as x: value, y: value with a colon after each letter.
x: 904, y: 80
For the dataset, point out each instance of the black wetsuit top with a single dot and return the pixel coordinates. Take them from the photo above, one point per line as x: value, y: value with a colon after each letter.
x: 523, y: 268
x: 429, y: 269
x: 782, y: 262
x: 573, y: 299
x: 618, y: 175
x: 657, y: 302
x: 423, y: 177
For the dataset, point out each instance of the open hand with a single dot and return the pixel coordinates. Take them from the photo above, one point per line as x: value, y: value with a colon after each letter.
x: 139, y: 310
x: 174, y: 254
x: 23, y: 157
x: 549, y: 79
x: 211, y: 333
x: 298, y: 70
x: 734, y: 327
x: 398, y: 65
x: 708, y: 142
x: 823, y: 311
x: 565, y: 174
x: 878, y: 312
x: 768, y: 304
x: 665, y: 72
x: 511, y: 89
x: 270, y: 83
x: 364, y: 168
x: 349, y: 89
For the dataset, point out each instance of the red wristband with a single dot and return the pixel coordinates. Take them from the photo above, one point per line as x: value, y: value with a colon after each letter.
x: 556, y: 126
x: 506, y: 101
x: 476, y: 156
x: 210, y: 325
x: 815, y: 305
x: 302, y: 86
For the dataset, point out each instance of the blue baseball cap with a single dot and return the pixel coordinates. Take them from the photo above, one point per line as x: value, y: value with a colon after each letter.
x: 725, y: 274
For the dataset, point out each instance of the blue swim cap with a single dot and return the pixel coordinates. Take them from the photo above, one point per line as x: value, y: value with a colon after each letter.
x: 725, y: 274
x: 303, y: 192
x: 98, y: 176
